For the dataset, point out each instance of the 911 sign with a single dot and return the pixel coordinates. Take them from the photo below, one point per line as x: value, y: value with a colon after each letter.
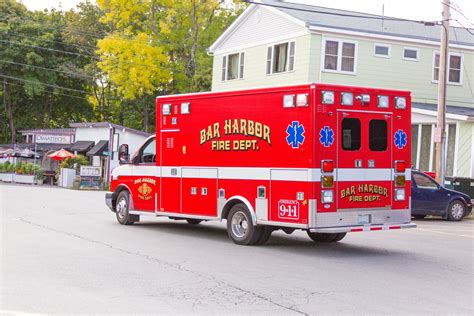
x: 289, y: 209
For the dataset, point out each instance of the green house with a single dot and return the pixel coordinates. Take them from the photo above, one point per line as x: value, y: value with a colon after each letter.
x: 276, y: 43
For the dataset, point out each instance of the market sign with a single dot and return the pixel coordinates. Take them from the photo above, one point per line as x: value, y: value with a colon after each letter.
x: 52, y: 139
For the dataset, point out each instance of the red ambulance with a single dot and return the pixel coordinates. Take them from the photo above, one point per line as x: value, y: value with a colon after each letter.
x: 326, y: 159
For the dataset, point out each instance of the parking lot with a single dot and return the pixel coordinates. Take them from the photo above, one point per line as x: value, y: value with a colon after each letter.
x: 62, y: 251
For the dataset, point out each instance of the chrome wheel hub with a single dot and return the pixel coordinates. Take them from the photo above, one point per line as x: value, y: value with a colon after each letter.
x: 121, y: 208
x: 240, y: 224
x: 457, y: 211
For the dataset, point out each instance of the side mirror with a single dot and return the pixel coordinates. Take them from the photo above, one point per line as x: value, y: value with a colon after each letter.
x: 123, y: 153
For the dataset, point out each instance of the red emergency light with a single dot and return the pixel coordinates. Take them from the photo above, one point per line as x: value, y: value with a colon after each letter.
x: 327, y: 166
x: 400, y: 166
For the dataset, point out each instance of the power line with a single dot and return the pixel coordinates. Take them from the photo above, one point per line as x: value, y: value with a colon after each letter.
x: 456, y: 8
x: 48, y: 40
x: 45, y: 84
x: 50, y: 69
x: 96, y: 58
x: 51, y: 92
x: 46, y: 48
x: 362, y: 15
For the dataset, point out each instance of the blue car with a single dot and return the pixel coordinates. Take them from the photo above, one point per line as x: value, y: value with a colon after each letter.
x: 430, y: 198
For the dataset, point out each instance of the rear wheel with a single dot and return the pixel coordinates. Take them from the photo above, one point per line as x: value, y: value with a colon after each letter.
x: 240, y: 227
x: 326, y: 237
x: 193, y: 221
x: 456, y: 211
x: 122, y: 209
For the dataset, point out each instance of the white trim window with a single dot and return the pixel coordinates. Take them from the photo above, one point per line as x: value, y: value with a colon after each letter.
x: 382, y: 50
x: 339, y: 56
x: 233, y: 66
x: 455, y: 62
x: 281, y: 58
x: 410, y: 53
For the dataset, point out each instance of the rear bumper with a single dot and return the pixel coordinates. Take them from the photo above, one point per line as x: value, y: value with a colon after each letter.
x: 361, y: 228
x: 108, y: 201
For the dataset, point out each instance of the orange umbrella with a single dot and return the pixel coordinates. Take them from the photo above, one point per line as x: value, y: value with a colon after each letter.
x: 61, y: 154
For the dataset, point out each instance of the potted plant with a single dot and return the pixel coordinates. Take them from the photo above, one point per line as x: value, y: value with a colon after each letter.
x: 25, y: 173
x: 6, y: 172
x: 39, y: 175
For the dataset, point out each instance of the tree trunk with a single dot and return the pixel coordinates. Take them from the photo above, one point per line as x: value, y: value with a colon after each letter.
x: 145, y: 117
x: 192, y: 59
x: 9, y: 111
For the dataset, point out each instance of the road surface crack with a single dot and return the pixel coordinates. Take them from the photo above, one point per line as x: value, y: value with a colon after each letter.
x: 167, y: 264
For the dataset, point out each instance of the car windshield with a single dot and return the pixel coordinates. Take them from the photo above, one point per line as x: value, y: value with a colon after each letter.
x: 424, y: 182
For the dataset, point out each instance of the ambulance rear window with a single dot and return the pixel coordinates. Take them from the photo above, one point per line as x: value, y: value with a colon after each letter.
x: 350, y: 134
x: 378, y: 135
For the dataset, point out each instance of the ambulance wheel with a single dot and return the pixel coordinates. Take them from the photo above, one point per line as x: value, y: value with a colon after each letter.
x: 326, y: 237
x: 193, y: 221
x: 121, y: 209
x: 265, y: 236
x: 240, y: 227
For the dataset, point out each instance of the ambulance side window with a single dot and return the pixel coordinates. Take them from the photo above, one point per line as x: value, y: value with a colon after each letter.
x: 350, y: 134
x: 378, y: 134
x: 148, y: 155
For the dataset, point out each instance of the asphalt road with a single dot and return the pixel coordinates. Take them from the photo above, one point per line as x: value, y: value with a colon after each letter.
x: 62, y: 251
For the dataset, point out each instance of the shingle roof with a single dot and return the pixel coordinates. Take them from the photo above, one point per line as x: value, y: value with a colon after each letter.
x: 361, y: 22
x: 49, y: 130
x: 451, y: 109
x: 107, y: 124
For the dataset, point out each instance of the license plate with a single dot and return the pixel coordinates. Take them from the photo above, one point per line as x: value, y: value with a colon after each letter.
x: 364, y: 219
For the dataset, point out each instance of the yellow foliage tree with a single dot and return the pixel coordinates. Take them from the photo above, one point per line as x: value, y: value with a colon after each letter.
x: 136, y: 67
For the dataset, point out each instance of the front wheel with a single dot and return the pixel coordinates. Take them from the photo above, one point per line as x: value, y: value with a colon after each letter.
x: 122, y: 208
x: 456, y: 211
x: 240, y: 227
x: 326, y: 237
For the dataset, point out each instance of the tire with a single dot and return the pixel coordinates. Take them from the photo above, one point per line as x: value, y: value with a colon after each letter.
x: 121, y: 209
x: 240, y: 227
x: 326, y: 237
x: 419, y: 216
x: 265, y: 236
x: 456, y: 211
x: 193, y: 221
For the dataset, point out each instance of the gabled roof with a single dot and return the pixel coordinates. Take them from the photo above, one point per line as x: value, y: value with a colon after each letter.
x: 364, y: 22
x: 315, y: 17
x: 107, y: 124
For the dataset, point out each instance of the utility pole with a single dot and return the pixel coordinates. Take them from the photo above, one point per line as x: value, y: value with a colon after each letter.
x: 440, y: 133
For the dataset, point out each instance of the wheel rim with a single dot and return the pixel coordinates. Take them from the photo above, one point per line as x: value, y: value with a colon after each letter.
x: 121, y: 208
x: 240, y: 224
x: 457, y: 210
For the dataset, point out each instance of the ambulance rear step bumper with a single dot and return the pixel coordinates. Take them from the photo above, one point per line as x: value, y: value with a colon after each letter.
x: 361, y: 228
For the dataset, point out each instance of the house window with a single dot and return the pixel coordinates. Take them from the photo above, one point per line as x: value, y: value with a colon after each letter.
x: 281, y: 58
x: 454, y: 68
x: 339, y: 56
x: 411, y: 53
x: 382, y: 50
x: 233, y: 66
x: 423, y: 147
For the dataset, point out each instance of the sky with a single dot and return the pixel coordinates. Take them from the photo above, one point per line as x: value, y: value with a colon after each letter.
x: 426, y: 10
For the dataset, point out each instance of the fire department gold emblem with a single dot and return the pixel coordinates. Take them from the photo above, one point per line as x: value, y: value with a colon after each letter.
x: 144, y: 191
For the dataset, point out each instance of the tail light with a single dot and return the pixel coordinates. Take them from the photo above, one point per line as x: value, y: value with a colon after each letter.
x: 400, y: 180
x: 400, y: 194
x: 327, y: 196
x: 327, y: 166
x: 327, y: 181
x: 400, y: 166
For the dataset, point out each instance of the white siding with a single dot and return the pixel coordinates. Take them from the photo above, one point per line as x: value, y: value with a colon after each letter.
x: 262, y: 25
